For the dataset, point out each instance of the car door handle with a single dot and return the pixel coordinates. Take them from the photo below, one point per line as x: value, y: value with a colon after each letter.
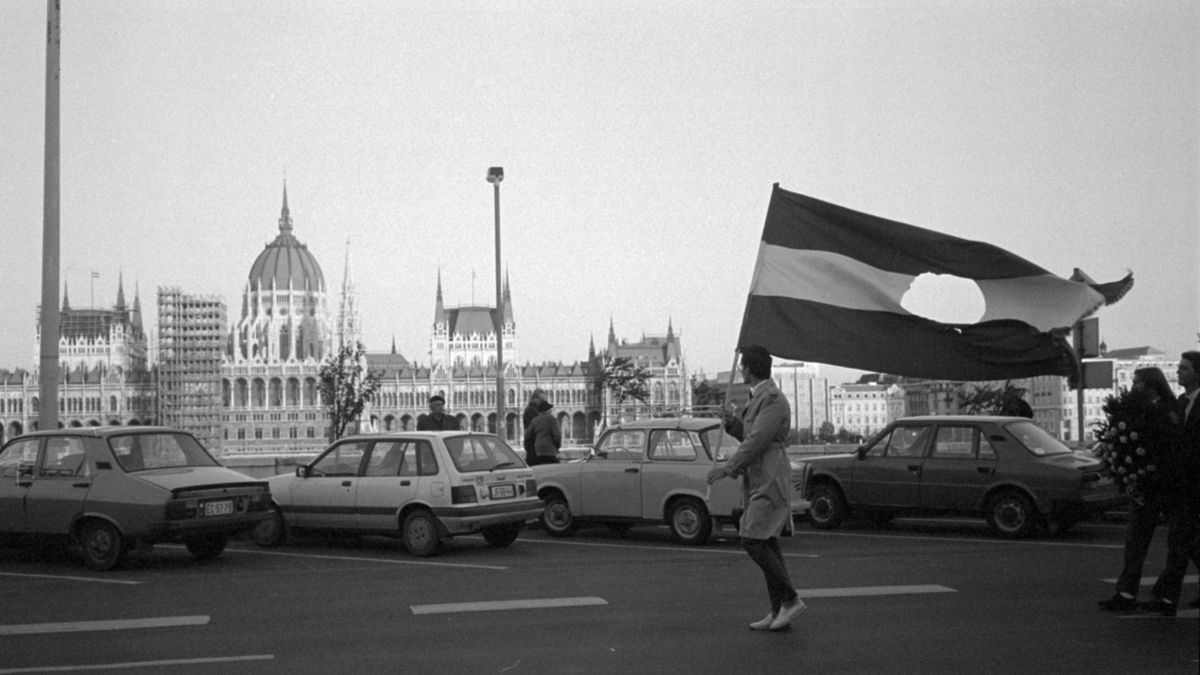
x: 633, y: 470
x: 914, y: 467
x: 405, y: 483
x: 81, y: 485
x: 984, y: 469
x: 345, y: 483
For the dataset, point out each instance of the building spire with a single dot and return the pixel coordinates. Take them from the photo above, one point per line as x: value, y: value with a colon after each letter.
x: 66, y: 302
x: 121, y: 290
x: 285, y: 216
x: 439, y: 310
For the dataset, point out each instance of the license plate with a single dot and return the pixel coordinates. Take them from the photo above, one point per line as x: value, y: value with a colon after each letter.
x: 502, y: 491
x: 223, y: 508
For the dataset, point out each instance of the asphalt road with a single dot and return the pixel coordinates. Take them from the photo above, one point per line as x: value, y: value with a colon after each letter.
x: 923, y: 596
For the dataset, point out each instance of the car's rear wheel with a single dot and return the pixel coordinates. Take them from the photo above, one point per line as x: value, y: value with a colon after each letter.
x: 690, y: 522
x: 557, y: 519
x: 206, y: 546
x: 272, y: 531
x: 1011, y: 515
x: 500, y: 536
x: 420, y: 534
x: 827, y: 507
x: 103, y: 545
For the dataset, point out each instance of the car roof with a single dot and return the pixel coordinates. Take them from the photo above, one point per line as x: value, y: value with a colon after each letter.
x: 104, y: 432
x: 999, y: 419
x: 685, y: 423
x: 386, y: 435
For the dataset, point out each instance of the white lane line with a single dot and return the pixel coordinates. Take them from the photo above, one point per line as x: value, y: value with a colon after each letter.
x: 673, y: 549
x: 500, y: 605
x: 1182, y: 614
x: 1149, y: 581
x: 138, y: 664
x: 119, y: 624
x: 862, y: 591
x: 66, y: 578
x: 963, y: 540
x: 387, y: 561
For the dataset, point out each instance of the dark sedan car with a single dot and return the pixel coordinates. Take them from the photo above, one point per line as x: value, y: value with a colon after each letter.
x: 116, y: 488
x: 1006, y: 469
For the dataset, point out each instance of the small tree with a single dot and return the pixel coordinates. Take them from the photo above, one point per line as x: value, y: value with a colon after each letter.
x: 626, y: 380
x: 986, y: 400
x: 346, y: 387
x: 704, y: 394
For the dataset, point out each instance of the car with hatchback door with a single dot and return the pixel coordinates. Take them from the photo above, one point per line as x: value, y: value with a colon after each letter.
x: 1008, y: 470
x: 649, y: 471
x: 118, y: 489
x: 423, y: 487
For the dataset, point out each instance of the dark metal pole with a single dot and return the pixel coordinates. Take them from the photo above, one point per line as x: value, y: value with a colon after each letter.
x: 495, y: 175
x: 50, y: 322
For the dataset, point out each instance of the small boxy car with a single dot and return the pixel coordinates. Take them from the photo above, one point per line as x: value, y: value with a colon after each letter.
x: 113, y: 489
x: 1007, y: 469
x: 424, y: 487
x: 646, y: 471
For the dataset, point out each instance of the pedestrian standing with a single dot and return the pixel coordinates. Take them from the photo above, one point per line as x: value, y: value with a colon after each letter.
x: 437, y: 419
x: 1158, y: 438
x: 1181, y: 503
x: 544, y: 436
x: 761, y: 461
x: 531, y: 411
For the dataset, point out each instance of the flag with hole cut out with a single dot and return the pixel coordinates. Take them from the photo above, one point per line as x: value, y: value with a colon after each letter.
x: 830, y: 282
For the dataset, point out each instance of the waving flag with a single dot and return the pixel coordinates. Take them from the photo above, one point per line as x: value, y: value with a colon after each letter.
x: 829, y: 282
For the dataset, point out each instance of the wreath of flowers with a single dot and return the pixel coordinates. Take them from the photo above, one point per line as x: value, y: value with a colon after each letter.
x: 1129, y: 441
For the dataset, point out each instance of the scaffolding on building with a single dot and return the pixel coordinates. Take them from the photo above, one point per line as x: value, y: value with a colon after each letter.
x: 191, y: 337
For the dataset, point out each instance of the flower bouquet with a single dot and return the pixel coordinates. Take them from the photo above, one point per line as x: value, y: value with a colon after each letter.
x: 1130, y: 438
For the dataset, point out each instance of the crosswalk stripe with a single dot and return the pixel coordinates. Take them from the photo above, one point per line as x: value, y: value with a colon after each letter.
x: 861, y: 591
x: 497, y: 605
x: 1149, y: 581
x: 85, y: 626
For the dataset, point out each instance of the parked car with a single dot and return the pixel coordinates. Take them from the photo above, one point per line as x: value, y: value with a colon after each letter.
x: 113, y: 489
x: 423, y: 487
x: 1006, y: 469
x: 646, y: 471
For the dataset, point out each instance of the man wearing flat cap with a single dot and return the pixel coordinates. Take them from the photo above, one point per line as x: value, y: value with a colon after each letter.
x: 437, y: 419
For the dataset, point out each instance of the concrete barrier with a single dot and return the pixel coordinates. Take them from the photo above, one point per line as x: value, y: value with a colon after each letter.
x: 265, y: 466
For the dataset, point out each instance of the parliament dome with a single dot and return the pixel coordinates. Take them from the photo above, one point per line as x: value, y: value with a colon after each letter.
x: 286, y: 261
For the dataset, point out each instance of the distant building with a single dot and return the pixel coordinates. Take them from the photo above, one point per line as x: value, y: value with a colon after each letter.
x: 865, y: 408
x: 191, y: 349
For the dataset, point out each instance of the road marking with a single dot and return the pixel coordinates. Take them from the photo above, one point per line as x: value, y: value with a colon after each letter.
x: 55, y: 576
x: 499, y: 605
x: 673, y: 549
x: 861, y: 591
x: 1149, y: 581
x: 1184, y: 614
x: 969, y: 540
x: 138, y: 664
x: 388, y: 561
x: 85, y: 626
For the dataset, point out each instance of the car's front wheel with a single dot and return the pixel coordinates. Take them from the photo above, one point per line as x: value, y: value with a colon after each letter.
x: 500, y: 536
x: 1011, y: 515
x: 420, y: 534
x: 272, y: 531
x: 827, y: 507
x: 103, y: 546
x: 206, y: 546
x: 690, y: 522
x: 557, y: 519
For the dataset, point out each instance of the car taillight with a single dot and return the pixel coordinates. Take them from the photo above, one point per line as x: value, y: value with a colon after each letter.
x: 531, y: 486
x: 463, y: 494
x: 183, y: 509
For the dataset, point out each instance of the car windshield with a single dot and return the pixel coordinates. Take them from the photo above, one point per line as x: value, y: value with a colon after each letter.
x: 166, y: 450
x: 481, y: 453
x: 1036, y: 440
x: 716, y: 435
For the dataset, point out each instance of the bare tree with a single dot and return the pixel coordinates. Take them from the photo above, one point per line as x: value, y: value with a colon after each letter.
x: 626, y: 380
x: 346, y: 387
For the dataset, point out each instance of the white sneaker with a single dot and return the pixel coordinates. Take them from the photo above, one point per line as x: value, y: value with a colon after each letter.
x: 764, y: 623
x: 787, y: 613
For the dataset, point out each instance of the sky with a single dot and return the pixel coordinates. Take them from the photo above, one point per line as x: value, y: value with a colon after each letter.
x: 640, y: 142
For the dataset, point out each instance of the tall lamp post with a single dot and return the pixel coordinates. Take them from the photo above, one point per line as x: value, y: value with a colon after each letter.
x: 495, y: 174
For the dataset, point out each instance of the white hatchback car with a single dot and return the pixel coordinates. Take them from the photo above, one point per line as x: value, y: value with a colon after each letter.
x: 423, y: 487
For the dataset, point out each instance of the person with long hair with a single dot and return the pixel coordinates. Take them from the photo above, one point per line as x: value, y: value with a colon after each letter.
x: 1151, y: 388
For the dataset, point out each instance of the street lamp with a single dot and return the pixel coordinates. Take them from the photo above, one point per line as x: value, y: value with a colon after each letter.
x: 495, y: 174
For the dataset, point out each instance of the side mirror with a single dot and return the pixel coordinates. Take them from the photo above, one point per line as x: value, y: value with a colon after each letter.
x: 861, y: 451
x: 302, y: 471
x: 24, y: 469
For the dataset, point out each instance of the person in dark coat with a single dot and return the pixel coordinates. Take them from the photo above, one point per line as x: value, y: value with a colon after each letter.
x: 1181, y: 503
x: 1159, y: 438
x: 762, y: 463
x: 544, y: 436
x: 437, y: 419
x: 531, y: 411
